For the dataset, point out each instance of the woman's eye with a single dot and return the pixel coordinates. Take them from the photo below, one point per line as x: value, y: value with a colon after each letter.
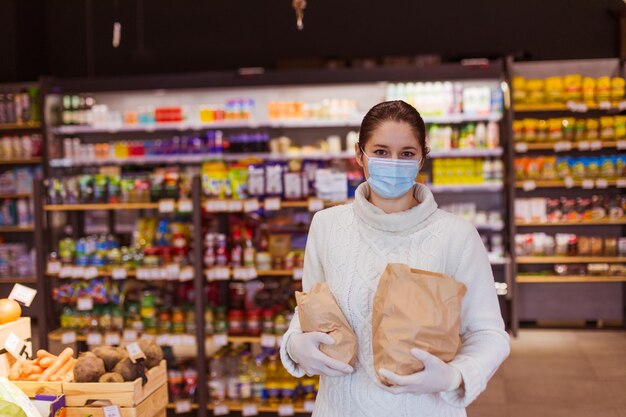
x: 407, y: 155
x: 380, y: 152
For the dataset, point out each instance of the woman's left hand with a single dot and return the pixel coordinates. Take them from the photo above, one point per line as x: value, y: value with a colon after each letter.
x: 437, y: 376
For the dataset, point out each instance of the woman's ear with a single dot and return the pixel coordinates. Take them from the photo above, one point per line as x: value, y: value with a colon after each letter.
x: 359, y: 154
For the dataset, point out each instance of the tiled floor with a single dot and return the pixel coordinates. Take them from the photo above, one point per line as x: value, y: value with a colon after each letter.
x: 559, y: 373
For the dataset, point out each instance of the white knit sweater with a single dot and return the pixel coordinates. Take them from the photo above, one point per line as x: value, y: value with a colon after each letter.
x: 349, y: 246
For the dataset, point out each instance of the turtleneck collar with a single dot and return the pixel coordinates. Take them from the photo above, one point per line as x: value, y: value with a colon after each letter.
x: 404, y: 222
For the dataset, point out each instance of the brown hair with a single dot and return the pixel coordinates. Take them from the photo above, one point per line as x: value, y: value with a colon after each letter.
x: 397, y: 111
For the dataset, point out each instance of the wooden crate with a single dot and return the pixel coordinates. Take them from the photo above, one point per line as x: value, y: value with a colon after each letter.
x: 21, y: 328
x: 153, y: 406
x: 124, y: 394
x: 32, y: 388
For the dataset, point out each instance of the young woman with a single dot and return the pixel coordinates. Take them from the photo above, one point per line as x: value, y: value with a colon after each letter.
x: 393, y: 219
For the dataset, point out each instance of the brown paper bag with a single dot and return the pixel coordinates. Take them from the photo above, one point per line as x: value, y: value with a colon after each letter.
x: 414, y: 309
x: 318, y: 312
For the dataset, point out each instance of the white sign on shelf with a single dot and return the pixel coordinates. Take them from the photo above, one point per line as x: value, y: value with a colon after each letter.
x: 272, y: 204
x: 285, y: 410
x: 249, y: 410
x: 268, y: 340
x: 529, y: 185
x: 94, y: 339
x: 118, y: 273
x: 186, y: 274
x: 78, y: 272
x: 584, y: 145
x: 604, y: 105
x: 91, y: 272
x: 185, y: 205
x: 163, y: 340
x: 66, y: 271
x: 620, y: 144
x: 167, y: 205
x: 148, y: 337
x: 112, y: 339
x: 172, y: 271
x: 182, y: 406
x: 218, y: 273
x: 13, y: 345
x: 134, y: 352
x: 235, y: 206
x: 596, y: 145
x: 562, y: 146
x: 68, y: 338
x: 602, y: 183
x: 53, y: 268
x: 187, y: 340
x: 309, y: 406
x: 221, y: 410
x: 22, y: 294
x: 220, y: 340
x: 521, y: 147
x: 251, y: 205
x: 588, y: 184
x: 84, y: 303
x: 216, y: 206
x: 111, y: 411
x: 621, y: 183
x: 175, y: 340
x: 129, y: 335
x: 297, y: 274
x: 569, y: 182
x: 315, y: 204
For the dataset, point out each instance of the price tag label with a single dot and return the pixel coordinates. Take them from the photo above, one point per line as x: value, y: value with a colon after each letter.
x: 66, y: 271
x: 185, y: 205
x: 218, y: 274
x: 596, y: 145
x: 78, y: 272
x: 220, y: 340
x: 129, y: 335
x: 583, y: 145
x: 251, y: 205
x: 148, y: 337
x: 118, y: 273
x: 221, y: 410
x: 620, y: 144
x: 622, y: 105
x: 167, y: 206
x: 172, y: 271
x: 68, y: 338
x: 84, y: 303
x: 588, y: 184
x: 163, y: 340
x: 142, y: 273
x: 235, y: 206
x: 91, y: 272
x: 309, y: 406
x: 285, y: 410
x: 563, y: 146
x: 134, y: 352
x: 175, y: 340
x: 13, y: 345
x: 53, y: 268
x: 297, y: 274
x: 186, y: 274
x: 521, y: 147
x: 604, y: 105
x: 568, y: 182
x: 602, y: 183
x: 272, y: 204
x: 621, y: 183
x: 111, y: 411
x: 187, y: 340
x: 112, y: 339
x: 22, y: 294
x: 268, y: 340
x: 182, y: 406
x: 529, y: 185
x: 315, y: 204
x: 279, y: 340
x: 249, y: 410
x: 216, y: 206
x: 94, y: 339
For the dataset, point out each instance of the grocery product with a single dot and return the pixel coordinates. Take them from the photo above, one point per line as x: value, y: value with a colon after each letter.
x: 562, y: 167
x: 607, y: 128
x: 45, y: 367
x: 595, y: 207
x: 568, y: 88
x: 470, y: 136
x: 20, y: 147
x: 467, y: 171
x: 20, y: 107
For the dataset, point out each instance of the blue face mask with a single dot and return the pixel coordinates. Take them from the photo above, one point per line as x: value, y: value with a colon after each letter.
x: 391, y: 178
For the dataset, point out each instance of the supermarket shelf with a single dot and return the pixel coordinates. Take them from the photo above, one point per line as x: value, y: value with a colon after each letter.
x: 492, y: 227
x: 601, y: 222
x: 198, y: 158
x: 172, y: 406
x: 18, y: 280
x: 233, y: 406
x: 244, y: 339
x: 465, y: 153
x: 464, y: 188
x: 577, y: 107
x: 531, y: 260
x: 522, y: 147
x: 27, y: 161
x: 17, y: 229
x: 87, y: 207
x: 588, y: 184
x: 16, y: 195
x: 57, y: 335
x: 545, y: 279
x: 20, y: 126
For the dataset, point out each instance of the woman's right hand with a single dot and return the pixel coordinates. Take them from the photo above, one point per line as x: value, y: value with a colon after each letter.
x: 304, y: 349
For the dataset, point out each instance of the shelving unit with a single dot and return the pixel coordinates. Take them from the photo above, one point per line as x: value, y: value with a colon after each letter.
x: 17, y: 229
x: 565, y: 279
x: 531, y: 260
x: 20, y: 126
x: 599, y: 222
x: 589, y: 184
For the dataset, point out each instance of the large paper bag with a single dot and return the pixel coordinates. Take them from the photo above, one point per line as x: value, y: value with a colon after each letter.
x: 318, y: 312
x: 414, y: 309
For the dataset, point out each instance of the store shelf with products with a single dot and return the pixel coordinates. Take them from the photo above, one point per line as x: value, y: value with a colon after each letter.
x: 14, y: 195
x: 18, y: 280
x: 568, y: 279
x: 600, y: 222
x: 20, y: 126
x: 589, y: 184
x: 536, y: 260
x: 17, y: 229
x: 574, y: 107
x: 564, y: 146
x: 25, y: 161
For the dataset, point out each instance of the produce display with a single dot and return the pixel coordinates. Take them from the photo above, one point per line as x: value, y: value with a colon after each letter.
x: 13, y: 402
x: 561, y: 167
x: 45, y: 367
x: 20, y: 147
x: 568, y: 244
x: 609, y: 128
x: 596, y: 207
x: 20, y: 108
x: 469, y: 136
x: 467, y: 171
x: 572, y: 87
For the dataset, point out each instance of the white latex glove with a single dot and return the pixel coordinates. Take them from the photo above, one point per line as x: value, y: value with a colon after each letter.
x: 304, y: 350
x: 437, y: 376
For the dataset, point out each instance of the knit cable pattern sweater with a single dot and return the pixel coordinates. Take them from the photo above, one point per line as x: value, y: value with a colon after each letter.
x: 349, y: 247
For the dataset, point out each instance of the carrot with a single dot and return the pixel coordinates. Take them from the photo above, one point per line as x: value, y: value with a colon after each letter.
x: 65, y: 356
x: 27, y: 367
x: 16, y: 371
x: 36, y: 369
x: 36, y: 361
x: 33, y: 377
x: 42, y: 353
x: 47, y: 361
x: 68, y: 366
